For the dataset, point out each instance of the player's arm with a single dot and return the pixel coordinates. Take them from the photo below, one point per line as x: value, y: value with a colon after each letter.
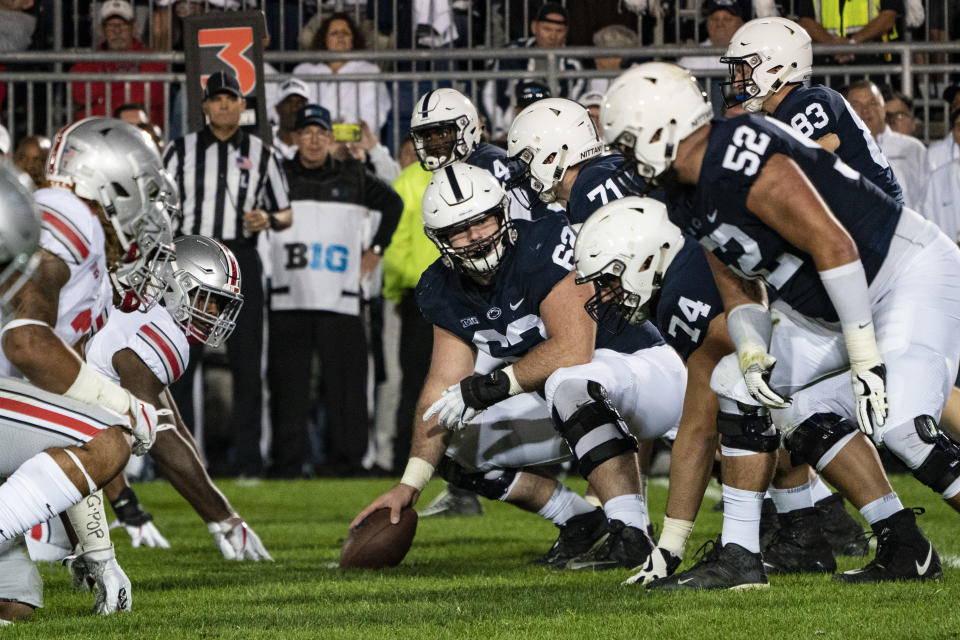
x: 452, y: 360
x: 571, y: 334
x: 784, y: 199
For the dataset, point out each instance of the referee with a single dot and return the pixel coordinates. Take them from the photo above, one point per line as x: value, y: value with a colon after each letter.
x: 231, y: 188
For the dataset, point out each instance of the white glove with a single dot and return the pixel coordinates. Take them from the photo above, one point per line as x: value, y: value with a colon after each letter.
x: 452, y: 413
x: 145, y: 534
x: 756, y: 365
x: 237, y: 541
x: 637, y: 6
x: 660, y: 564
x: 145, y: 425
x: 870, y: 393
x: 99, y: 570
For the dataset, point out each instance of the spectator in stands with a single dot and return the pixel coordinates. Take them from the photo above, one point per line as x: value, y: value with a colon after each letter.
x: 900, y: 115
x: 907, y: 155
x: 294, y: 95
x: 407, y: 154
x: 409, y: 254
x: 614, y: 35
x: 347, y: 101
x: 587, y: 17
x: 318, y: 268
x: 947, y: 149
x: 592, y: 102
x: 374, y: 155
x: 722, y: 19
x: 851, y: 21
x: 232, y: 188
x: 134, y: 113
x: 166, y: 24
x: 116, y: 18
x: 31, y: 157
x: 941, y: 203
x: 527, y: 92
x: 16, y: 25
x: 549, y: 31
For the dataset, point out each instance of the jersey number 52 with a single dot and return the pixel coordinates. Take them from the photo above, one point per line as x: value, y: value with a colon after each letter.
x: 745, y: 151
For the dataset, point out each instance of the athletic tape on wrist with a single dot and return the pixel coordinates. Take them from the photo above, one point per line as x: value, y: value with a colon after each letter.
x: 417, y: 474
x: 93, y: 388
x: 89, y: 520
x: 847, y: 289
x: 515, y: 387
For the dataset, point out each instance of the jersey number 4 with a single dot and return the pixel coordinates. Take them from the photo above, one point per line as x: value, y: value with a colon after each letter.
x: 745, y: 151
x: 691, y: 310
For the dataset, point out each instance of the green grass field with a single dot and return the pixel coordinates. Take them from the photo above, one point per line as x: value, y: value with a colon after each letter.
x: 463, y: 578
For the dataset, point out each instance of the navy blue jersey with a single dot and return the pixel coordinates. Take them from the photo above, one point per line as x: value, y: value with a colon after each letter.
x: 813, y: 112
x: 503, y: 319
x: 716, y: 213
x: 688, y: 300
x: 494, y: 160
x: 602, y: 179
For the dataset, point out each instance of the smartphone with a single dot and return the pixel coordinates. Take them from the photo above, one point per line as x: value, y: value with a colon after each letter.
x: 346, y: 132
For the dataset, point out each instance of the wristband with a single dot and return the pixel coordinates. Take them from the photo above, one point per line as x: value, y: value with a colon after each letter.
x: 515, y: 387
x: 93, y: 388
x: 417, y: 474
x: 750, y: 329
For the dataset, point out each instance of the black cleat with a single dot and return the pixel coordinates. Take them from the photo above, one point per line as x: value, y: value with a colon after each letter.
x: 453, y: 501
x: 728, y: 566
x: 843, y: 532
x: 799, y: 545
x: 579, y: 535
x: 625, y: 548
x: 903, y: 553
x: 769, y: 523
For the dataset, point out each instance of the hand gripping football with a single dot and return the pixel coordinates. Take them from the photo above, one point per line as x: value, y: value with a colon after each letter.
x: 375, y: 543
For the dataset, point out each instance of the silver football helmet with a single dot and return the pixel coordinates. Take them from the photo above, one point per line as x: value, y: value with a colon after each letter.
x: 648, y: 110
x: 19, y: 232
x: 549, y: 137
x: 458, y: 197
x: 763, y: 55
x: 624, y: 248
x: 203, y: 292
x: 444, y: 109
x: 117, y: 165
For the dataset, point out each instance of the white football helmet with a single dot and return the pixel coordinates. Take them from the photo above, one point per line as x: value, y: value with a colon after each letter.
x: 19, y: 232
x: 444, y: 108
x: 648, y: 110
x: 458, y: 197
x: 624, y: 248
x: 117, y: 165
x: 763, y: 55
x: 203, y: 292
x: 549, y: 137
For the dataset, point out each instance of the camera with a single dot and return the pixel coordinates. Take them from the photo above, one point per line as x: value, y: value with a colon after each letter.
x: 346, y: 132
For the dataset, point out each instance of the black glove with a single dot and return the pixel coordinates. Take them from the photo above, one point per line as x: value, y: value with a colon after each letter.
x: 128, y: 510
x: 480, y: 392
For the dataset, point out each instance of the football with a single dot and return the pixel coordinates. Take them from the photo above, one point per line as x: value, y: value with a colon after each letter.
x: 376, y: 543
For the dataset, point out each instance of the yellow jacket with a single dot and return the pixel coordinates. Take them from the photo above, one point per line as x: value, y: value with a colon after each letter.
x: 410, y: 252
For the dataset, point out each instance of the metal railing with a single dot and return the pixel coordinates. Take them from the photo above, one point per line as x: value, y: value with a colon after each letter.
x: 39, y: 99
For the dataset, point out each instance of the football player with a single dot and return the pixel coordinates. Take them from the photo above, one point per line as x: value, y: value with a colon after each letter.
x: 779, y: 209
x: 105, y: 222
x: 509, y: 322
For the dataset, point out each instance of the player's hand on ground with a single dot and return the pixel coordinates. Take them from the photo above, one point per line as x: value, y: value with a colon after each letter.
x: 143, y: 535
x: 451, y: 410
x: 99, y: 571
x: 870, y: 393
x: 237, y: 540
x: 757, y: 365
x: 395, y: 499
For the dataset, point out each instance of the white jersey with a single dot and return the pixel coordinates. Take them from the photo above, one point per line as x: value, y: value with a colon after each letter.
x: 154, y: 336
x: 71, y: 231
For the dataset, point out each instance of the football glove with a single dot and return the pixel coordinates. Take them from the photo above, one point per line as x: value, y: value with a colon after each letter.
x: 870, y: 393
x: 237, y: 541
x: 145, y: 426
x: 756, y: 365
x: 660, y: 564
x: 99, y: 571
x: 451, y: 410
x: 137, y: 522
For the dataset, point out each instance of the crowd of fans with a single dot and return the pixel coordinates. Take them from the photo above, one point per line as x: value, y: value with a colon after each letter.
x: 334, y: 399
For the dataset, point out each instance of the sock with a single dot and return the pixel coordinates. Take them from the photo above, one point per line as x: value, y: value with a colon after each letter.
x: 563, y: 505
x: 36, y: 492
x: 741, y: 518
x: 819, y: 489
x: 881, y: 508
x: 791, y: 499
x: 629, y: 509
x: 675, y: 535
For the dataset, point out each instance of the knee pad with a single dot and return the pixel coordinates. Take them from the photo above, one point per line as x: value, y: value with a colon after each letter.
x: 941, y: 467
x: 752, y: 432
x: 494, y: 484
x: 594, y: 431
x: 815, y: 436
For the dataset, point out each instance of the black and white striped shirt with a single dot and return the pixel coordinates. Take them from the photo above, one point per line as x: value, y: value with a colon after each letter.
x: 220, y: 180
